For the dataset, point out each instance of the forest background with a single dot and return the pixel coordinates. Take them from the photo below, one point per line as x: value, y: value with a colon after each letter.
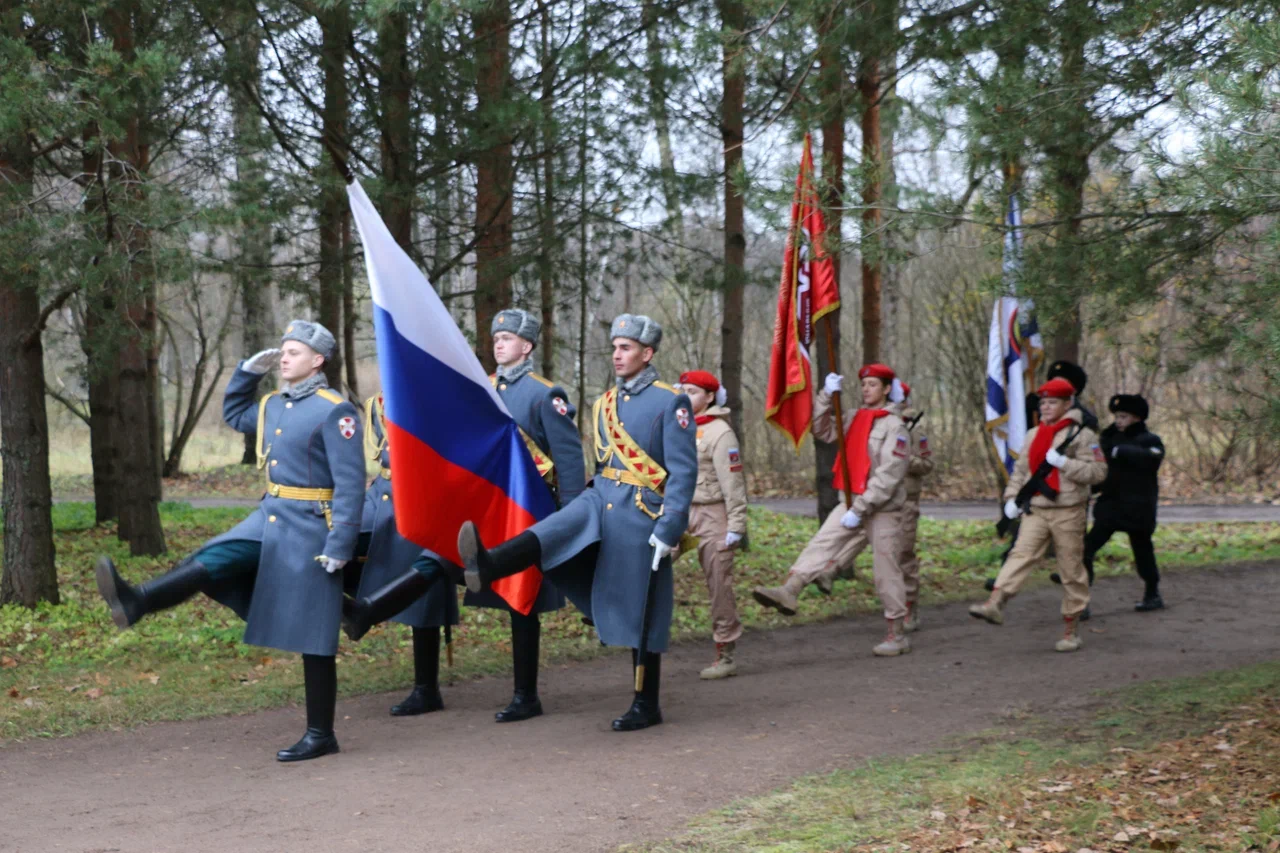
x: 169, y: 198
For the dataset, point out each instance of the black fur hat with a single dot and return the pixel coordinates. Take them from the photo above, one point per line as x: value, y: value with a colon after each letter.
x: 1132, y: 404
x: 1071, y: 372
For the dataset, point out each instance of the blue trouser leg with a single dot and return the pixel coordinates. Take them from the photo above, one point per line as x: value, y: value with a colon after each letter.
x: 230, y: 559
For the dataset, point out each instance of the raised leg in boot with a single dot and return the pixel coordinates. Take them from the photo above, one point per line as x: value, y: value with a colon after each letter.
x: 644, y: 711
x: 785, y: 599
x: 425, y: 696
x: 130, y: 603
x: 320, y: 674
x: 526, y: 635
x: 483, y: 565
x: 387, y: 601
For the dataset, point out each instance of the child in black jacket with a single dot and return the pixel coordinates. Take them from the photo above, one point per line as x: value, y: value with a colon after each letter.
x: 1127, y: 498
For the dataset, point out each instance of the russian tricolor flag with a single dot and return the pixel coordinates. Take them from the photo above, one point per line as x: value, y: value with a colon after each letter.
x: 457, y: 453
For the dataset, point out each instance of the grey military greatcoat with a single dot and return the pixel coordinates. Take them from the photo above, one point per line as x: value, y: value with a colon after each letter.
x: 312, y: 442
x: 596, y: 549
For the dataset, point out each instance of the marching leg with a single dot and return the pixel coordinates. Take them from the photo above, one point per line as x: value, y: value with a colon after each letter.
x: 526, y: 633
x: 644, y: 711
x: 425, y: 696
x: 320, y: 674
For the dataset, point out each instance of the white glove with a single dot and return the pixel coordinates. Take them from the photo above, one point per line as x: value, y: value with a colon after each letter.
x: 330, y: 564
x: 1011, y: 510
x: 731, y: 538
x: 1115, y: 452
x: 850, y: 520
x: 660, y: 550
x: 1054, y: 458
x: 833, y: 383
x: 262, y: 362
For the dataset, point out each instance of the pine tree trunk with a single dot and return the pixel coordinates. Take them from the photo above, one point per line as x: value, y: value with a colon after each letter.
x: 869, y: 90
x: 395, y: 85
x: 29, y: 575
x: 334, y: 23
x: 733, y: 22
x: 831, y: 76
x: 253, y: 240
x: 138, y: 499
x: 1069, y: 170
x: 548, y: 229
x: 494, y: 172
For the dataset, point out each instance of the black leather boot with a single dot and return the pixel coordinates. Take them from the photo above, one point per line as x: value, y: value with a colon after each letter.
x: 1151, y: 600
x: 484, y: 566
x: 644, y: 711
x: 425, y: 696
x: 526, y: 634
x: 129, y: 603
x: 320, y: 674
x: 379, y: 606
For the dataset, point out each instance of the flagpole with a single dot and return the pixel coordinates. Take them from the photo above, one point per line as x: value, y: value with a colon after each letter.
x: 835, y: 402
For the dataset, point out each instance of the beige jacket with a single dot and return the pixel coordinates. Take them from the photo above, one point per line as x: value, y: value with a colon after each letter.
x: 720, y: 476
x: 1085, y: 466
x: 890, y: 448
x: 921, y: 464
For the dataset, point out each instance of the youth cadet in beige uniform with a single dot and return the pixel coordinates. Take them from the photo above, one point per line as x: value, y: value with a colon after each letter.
x: 1062, y: 520
x: 718, y: 519
x: 879, y: 450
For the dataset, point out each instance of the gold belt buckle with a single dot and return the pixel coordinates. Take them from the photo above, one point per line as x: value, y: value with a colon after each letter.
x: 273, y: 490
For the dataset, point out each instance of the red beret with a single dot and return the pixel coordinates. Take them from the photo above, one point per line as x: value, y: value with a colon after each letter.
x: 1057, y: 387
x: 702, y: 379
x: 879, y: 371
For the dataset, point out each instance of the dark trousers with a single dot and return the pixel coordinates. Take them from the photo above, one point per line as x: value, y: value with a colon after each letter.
x: 1144, y: 553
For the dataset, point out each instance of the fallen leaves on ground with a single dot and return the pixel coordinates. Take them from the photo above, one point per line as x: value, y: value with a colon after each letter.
x: 1216, y: 791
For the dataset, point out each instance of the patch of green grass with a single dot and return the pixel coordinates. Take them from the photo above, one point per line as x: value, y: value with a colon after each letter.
x: 66, y: 669
x: 885, y: 803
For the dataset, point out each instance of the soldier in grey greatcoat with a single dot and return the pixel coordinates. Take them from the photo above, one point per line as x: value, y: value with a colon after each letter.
x: 386, y: 559
x: 602, y: 548
x: 546, y: 419
x: 279, y: 569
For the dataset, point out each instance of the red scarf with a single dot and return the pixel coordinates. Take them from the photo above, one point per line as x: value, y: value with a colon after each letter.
x: 703, y: 420
x: 1040, y: 448
x: 856, y: 443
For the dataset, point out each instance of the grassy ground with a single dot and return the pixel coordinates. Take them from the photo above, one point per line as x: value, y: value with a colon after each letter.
x: 66, y: 669
x: 1176, y: 765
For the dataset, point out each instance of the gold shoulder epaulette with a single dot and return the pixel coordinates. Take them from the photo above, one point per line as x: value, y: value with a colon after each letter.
x: 330, y: 395
x: 665, y: 387
x: 544, y: 380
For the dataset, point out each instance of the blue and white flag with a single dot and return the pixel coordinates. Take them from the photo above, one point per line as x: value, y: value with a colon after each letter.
x: 1014, y: 351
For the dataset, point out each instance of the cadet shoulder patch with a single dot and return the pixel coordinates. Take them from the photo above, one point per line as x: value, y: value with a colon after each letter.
x: 682, y: 417
x: 924, y: 446
x: 561, y: 407
x: 734, y: 456
x: 900, y: 447
x: 347, y: 426
x: 1097, y: 453
x: 330, y: 395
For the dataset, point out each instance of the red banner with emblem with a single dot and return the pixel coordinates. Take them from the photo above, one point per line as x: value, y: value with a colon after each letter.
x: 808, y: 291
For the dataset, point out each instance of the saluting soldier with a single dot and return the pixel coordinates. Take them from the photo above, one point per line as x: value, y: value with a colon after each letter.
x: 395, y: 575
x: 609, y: 550
x: 1061, y: 521
x: 279, y: 568
x: 879, y: 451
x: 718, y: 519
x: 546, y: 419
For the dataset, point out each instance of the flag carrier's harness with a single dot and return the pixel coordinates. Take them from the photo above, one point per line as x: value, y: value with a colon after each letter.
x: 289, y: 493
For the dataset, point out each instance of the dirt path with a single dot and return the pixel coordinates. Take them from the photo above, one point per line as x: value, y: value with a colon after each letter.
x: 986, y: 510
x: 808, y: 699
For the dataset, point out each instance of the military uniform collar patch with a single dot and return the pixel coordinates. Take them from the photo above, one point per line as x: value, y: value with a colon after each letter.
x: 515, y: 372
x: 640, y: 381
x: 305, y: 388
